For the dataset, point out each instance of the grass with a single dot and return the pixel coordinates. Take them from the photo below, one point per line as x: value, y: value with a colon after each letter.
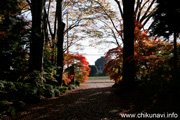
x: 99, y: 79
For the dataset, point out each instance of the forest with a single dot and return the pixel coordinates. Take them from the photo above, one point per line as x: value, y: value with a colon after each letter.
x: 36, y: 35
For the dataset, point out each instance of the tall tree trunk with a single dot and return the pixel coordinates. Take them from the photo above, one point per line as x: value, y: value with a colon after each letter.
x: 36, y: 45
x: 128, y: 48
x: 60, y: 36
x: 175, y: 51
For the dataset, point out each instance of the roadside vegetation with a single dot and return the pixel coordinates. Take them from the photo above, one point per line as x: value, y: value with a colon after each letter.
x: 35, y: 37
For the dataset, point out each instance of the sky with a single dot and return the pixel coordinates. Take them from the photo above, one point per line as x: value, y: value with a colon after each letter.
x: 92, y: 53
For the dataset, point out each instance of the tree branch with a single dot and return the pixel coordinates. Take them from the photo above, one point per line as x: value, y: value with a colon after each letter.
x: 145, y: 14
x: 119, y: 6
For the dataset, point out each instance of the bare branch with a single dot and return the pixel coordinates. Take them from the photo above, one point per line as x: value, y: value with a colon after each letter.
x: 148, y: 9
x: 149, y: 16
x: 140, y: 9
x: 108, y: 16
x: 120, y: 9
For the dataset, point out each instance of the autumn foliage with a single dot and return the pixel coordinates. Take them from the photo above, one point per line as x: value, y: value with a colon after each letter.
x: 149, y: 56
x: 76, y: 67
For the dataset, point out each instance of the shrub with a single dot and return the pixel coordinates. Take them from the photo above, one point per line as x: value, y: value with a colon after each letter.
x: 1, y: 85
x: 34, y: 77
x: 19, y: 105
x: 19, y: 85
x: 4, y: 105
x: 49, y: 93
x: 48, y: 86
x: 63, y: 89
x: 10, y: 86
x: 50, y: 79
x: 71, y: 86
x: 57, y: 92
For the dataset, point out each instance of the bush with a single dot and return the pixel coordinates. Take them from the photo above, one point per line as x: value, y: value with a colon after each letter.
x: 71, y: 86
x: 4, y: 105
x: 1, y: 85
x: 6, y: 108
x: 49, y: 93
x: 50, y: 79
x: 11, y: 110
x: 57, y: 92
x: 63, y: 89
x: 48, y: 86
x: 10, y: 86
x: 34, y: 77
x: 19, y: 105
x: 16, y: 94
x: 40, y: 91
x: 30, y: 92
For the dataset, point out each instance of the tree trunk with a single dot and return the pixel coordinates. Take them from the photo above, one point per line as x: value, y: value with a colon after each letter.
x: 36, y: 44
x: 128, y: 48
x: 60, y: 36
x: 175, y: 51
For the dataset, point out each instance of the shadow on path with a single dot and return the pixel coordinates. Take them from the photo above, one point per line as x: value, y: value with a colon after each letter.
x: 91, y: 101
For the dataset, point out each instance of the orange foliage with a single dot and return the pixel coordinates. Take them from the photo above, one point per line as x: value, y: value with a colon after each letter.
x: 3, y: 35
x: 147, y: 52
x: 81, y: 68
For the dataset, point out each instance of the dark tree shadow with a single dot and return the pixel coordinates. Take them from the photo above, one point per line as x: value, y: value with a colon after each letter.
x: 91, y: 104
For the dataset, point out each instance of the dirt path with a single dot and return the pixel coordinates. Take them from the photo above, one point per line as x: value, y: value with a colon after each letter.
x: 94, y: 100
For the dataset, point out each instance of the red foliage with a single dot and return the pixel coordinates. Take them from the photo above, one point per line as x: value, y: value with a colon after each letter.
x: 81, y: 67
x: 145, y: 54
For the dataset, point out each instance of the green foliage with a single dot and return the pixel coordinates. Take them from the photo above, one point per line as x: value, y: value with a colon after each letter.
x: 19, y: 105
x: 13, y: 37
x: 166, y: 18
x: 49, y: 93
x: 57, y: 92
x: 63, y: 89
x: 50, y: 68
x: 50, y: 78
x: 6, y: 108
x: 9, y: 86
x: 1, y: 85
x: 4, y: 104
x: 34, y: 77
x: 93, y: 71
x: 71, y: 86
x: 15, y: 95
x: 100, y: 64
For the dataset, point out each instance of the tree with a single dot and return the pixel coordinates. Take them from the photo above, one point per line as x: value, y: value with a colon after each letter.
x: 152, y: 58
x: 113, y: 25
x: 13, y: 40
x: 37, y: 39
x: 128, y: 43
x: 78, y: 17
x: 141, y: 12
x: 166, y: 22
x: 60, y: 37
x: 93, y: 71
x: 100, y: 64
x: 76, y: 68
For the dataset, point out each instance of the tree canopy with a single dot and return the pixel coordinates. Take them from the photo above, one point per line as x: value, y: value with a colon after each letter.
x: 35, y: 37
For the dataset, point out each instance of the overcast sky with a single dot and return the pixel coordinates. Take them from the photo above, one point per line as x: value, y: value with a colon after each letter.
x: 92, y: 53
